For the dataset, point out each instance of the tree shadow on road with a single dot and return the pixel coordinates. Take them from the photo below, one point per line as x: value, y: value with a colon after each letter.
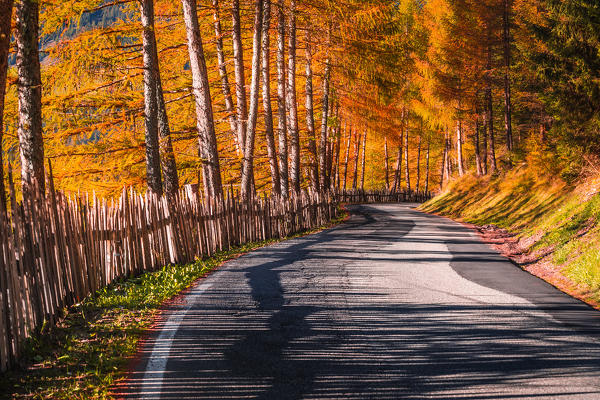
x: 272, y: 331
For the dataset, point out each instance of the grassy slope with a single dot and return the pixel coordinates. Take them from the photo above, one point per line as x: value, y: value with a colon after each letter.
x: 553, y: 221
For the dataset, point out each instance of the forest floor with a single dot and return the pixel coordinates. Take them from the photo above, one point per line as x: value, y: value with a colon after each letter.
x: 546, y: 226
x: 92, y: 347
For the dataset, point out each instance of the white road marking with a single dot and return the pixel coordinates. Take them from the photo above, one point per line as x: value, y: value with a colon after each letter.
x: 157, y: 363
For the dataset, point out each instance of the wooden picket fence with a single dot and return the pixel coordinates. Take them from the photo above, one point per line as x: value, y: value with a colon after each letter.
x: 383, y: 196
x: 56, y: 249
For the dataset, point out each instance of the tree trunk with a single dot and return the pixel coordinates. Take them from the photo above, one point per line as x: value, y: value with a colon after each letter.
x: 490, y: 110
x: 347, y: 158
x: 491, y: 140
x: 240, y: 78
x: 406, y: 163
x: 165, y: 145
x: 204, y: 113
x: 448, y: 159
x: 444, y: 173
x: 6, y: 7
x: 356, y: 155
x: 459, y: 151
x: 225, y: 87
x: 338, y: 144
x: 386, y: 164
x: 363, y: 164
x: 150, y: 98
x: 328, y: 158
x: 331, y: 156
x: 427, y: 166
x: 417, y: 187
x: 248, y: 163
x: 266, y: 96
x: 484, y: 151
x: 291, y: 103
x: 29, y: 83
x: 281, y: 103
x: 507, y: 99
x: 477, y: 149
x: 398, y: 172
x: 324, y: 118
x: 310, y: 119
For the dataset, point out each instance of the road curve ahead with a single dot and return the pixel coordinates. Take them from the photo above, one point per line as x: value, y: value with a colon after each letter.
x: 392, y: 304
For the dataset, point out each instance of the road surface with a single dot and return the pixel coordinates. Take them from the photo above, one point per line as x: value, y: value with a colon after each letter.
x: 392, y: 304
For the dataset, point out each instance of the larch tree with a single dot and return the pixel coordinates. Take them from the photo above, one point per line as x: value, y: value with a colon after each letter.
x: 506, y: 42
x: 445, y: 173
x: 6, y: 7
x: 489, y: 106
x: 29, y: 86
x: 240, y: 76
x: 167, y: 156
x: 386, y: 164
x: 281, y: 102
x: 356, y: 156
x: 427, y: 165
x: 398, y: 169
x: 153, y: 174
x: 225, y: 87
x: 310, y: 118
x: 406, y: 157
x: 291, y: 103
x: 266, y: 95
x: 248, y: 163
x: 204, y: 113
x: 159, y: 148
x: 459, y: 148
x: 324, y: 126
x: 335, y: 175
x: 363, y: 163
x: 417, y: 185
x: 347, y: 158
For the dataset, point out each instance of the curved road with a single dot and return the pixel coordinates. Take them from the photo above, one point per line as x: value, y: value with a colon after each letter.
x: 392, y: 304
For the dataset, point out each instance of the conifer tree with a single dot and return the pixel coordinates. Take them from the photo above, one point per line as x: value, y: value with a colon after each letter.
x: 6, y: 7
x: 266, y: 93
x: 248, y: 163
x: 282, y: 130
x: 240, y: 76
x: 291, y: 103
x: 30, y: 95
x: 324, y: 125
x: 204, y: 113
x: 229, y: 108
x: 310, y: 118
x: 151, y: 94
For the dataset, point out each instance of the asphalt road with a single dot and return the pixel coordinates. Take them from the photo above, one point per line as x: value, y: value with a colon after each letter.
x: 392, y: 304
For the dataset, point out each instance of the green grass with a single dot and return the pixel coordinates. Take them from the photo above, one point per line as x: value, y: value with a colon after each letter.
x: 89, y: 350
x: 552, y: 216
